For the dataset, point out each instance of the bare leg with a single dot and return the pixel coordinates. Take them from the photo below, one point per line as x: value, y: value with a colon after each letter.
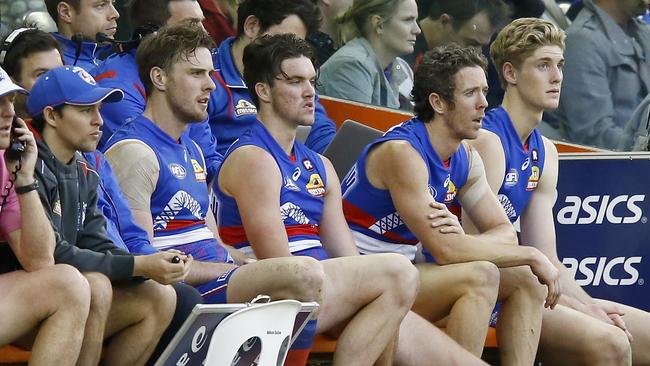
x: 466, y: 292
x: 638, y: 323
x: 421, y: 343
x: 570, y: 337
x: 520, y: 318
x: 139, y: 315
x: 368, y: 296
x: 101, y: 296
x: 298, y: 278
x: 55, y: 301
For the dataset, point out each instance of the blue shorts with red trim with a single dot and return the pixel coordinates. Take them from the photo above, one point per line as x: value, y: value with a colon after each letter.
x: 207, y: 250
x: 316, y: 253
x: 216, y: 291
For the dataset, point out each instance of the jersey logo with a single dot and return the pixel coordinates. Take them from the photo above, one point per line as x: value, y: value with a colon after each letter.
x: 535, y: 155
x: 433, y: 192
x: 296, y: 174
x: 289, y: 210
x: 451, y: 192
x: 512, y: 177
x: 290, y: 185
x: 244, y: 107
x: 524, y: 166
x: 199, y: 172
x: 533, y: 180
x: 387, y: 223
x: 177, y: 170
x: 507, y: 206
x: 315, y: 187
x: 308, y: 165
x: 181, y: 200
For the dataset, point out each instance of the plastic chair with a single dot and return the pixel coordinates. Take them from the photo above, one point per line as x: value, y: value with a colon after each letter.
x: 272, y: 323
x: 348, y: 144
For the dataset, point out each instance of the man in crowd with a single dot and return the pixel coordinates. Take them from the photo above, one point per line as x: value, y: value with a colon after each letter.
x: 385, y: 198
x: 27, y: 269
x: 297, y: 211
x: 129, y: 310
x: 78, y: 22
x: 522, y: 168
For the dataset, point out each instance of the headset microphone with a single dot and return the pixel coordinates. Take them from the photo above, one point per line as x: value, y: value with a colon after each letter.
x: 78, y: 39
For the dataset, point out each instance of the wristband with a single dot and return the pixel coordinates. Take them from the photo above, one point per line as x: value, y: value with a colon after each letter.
x: 28, y: 188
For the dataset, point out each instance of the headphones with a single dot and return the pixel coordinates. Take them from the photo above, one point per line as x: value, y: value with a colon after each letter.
x: 6, y: 45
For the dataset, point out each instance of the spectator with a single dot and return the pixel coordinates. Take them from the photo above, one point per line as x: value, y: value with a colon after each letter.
x: 367, y: 68
x: 325, y: 39
x: 297, y: 212
x: 528, y: 54
x: 54, y: 327
x: 465, y: 22
x: 64, y: 103
x: 33, y: 52
x: 426, y: 158
x: 121, y: 71
x: 166, y: 186
x: 231, y: 109
x: 78, y: 22
x: 220, y: 18
x: 607, y: 72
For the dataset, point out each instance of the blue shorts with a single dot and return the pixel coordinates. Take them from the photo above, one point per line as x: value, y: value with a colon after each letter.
x: 316, y: 253
x: 207, y: 250
x: 495, y: 315
x: 216, y: 291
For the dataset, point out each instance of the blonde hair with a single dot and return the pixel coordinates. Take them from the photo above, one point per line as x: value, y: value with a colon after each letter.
x: 519, y: 39
x: 353, y: 22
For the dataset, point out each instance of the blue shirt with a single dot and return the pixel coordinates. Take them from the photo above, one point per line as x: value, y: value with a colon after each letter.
x: 524, y: 163
x: 88, y: 54
x: 304, y: 182
x: 376, y: 225
x: 232, y: 111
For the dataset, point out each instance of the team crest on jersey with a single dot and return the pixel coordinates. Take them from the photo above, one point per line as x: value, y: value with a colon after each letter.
x: 525, y: 165
x: 57, y: 207
x: 308, y: 165
x: 290, y: 185
x: 315, y: 187
x: 512, y: 177
x: 177, y: 170
x: 535, y: 154
x: 199, y: 172
x: 533, y: 180
x: 451, y: 192
x: 244, y: 107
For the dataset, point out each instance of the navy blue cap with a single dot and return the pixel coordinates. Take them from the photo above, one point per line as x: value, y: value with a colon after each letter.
x: 68, y: 85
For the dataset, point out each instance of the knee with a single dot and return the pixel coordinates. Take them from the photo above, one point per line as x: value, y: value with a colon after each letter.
x: 158, y: 301
x: 69, y: 285
x: 309, y: 278
x: 484, y: 279
x: 529, y: 283
x: 402, y: 274
x: 610, y: 348
x: 101, y: 293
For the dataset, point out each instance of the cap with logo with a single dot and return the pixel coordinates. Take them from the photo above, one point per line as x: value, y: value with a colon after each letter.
x: 68, y: 85
x: 7, y: 86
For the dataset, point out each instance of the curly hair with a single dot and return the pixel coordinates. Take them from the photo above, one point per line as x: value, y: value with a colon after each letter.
x: 436, y: 75
x: 519, y: 39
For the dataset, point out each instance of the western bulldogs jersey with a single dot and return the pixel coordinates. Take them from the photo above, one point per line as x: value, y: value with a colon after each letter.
x: 301, y: 197
x: 524, y: 163
x: 376, y: 225
x: 180, y: 200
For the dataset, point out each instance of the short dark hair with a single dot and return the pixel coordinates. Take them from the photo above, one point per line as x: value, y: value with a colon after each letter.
x: 51, y: 6
x: 271, y: 13
x: 25, y: 44
x: 149, y: 12
x: 263, y: 59
x: 463, y: 10
x: 168, y: 46
x: 38, y: 123
x: 436, y: 75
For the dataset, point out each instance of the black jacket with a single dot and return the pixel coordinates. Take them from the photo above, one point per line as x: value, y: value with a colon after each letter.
x: 69, y: 195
